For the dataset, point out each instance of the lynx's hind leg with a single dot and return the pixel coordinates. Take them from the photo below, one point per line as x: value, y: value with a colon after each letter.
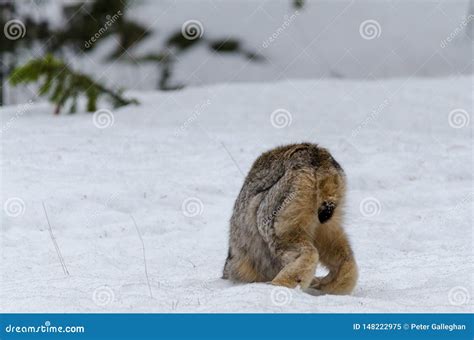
x: 243, y: 270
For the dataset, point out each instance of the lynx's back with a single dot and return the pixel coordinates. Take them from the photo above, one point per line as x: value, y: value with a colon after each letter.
x: 282, y: 184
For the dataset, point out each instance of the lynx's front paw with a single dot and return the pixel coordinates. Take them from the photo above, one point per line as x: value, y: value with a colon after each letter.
x: 285, y: 282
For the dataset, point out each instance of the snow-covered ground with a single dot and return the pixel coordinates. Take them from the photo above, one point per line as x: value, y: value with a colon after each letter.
x: 176, y: 163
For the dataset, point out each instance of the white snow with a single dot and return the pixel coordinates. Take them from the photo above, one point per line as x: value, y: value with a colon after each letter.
x: 414, y: 250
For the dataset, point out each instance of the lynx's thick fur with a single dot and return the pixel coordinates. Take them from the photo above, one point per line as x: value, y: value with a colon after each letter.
x: 287, y: 219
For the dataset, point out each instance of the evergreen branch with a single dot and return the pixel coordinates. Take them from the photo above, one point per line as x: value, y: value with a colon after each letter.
x: 62, y: 84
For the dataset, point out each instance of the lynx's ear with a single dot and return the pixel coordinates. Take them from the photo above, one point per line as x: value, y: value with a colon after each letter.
x: 325, y: 211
